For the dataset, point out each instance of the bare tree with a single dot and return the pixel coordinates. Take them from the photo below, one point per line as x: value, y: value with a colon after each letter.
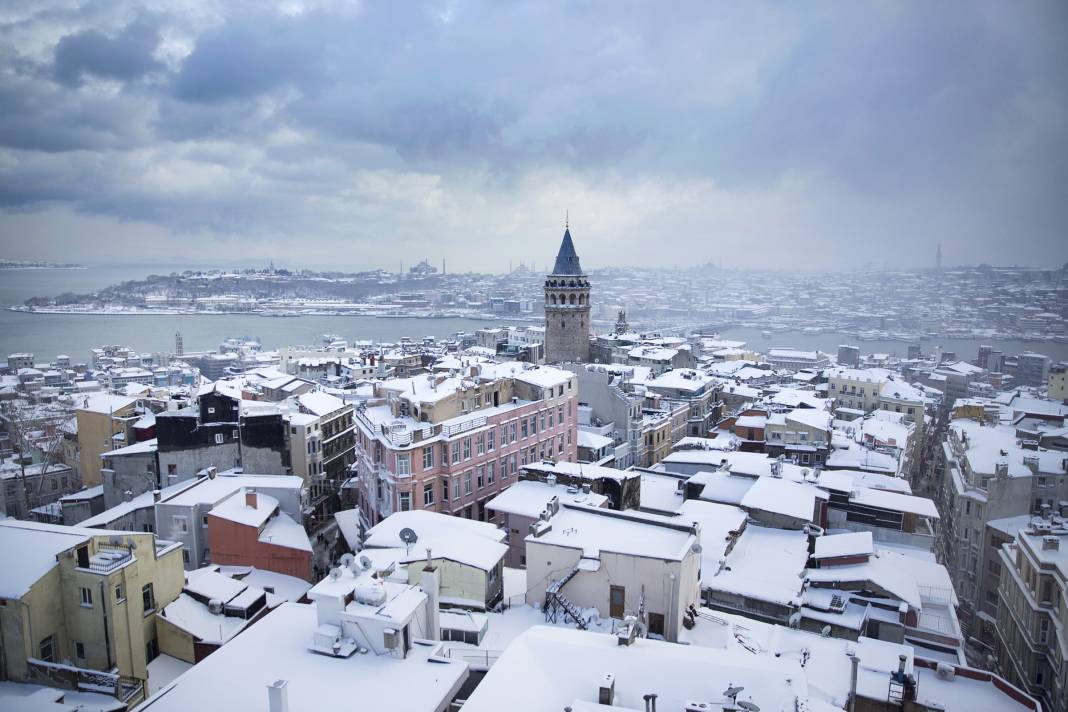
x: 20, y: 429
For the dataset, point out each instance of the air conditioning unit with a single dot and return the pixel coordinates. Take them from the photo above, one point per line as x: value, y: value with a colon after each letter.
x: 390, y: 638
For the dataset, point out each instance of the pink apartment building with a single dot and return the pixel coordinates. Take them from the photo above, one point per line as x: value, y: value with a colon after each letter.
x: 451, y: 442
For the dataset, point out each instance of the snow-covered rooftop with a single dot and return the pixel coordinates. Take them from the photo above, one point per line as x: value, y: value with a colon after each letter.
x: 833, y: 546
x: 528, y: 498
x: 596, y: 530
x: 551, y: 668
x: 765, y: 564
x: 29, y: 552
x: 319, y: 403
x: 780, y: 496
x: 236, y: 676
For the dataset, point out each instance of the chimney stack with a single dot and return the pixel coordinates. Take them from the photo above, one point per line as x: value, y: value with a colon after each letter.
x: 278, y: 696
x: 606, y: 691
x: 156, y: 495
x: 431, y: 585
x: 250, y: 498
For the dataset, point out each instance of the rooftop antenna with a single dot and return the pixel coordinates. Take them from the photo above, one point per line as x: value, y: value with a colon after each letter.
x: 567, y: 220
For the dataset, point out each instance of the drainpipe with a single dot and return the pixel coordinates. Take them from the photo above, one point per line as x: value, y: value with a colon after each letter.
x: 29, y: 628
x: 854, y: 661
x: 104, y: 611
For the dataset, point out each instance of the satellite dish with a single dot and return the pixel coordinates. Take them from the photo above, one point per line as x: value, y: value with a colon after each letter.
x: 733, y: 691
x: 748, y: 706
x: 409, y: 537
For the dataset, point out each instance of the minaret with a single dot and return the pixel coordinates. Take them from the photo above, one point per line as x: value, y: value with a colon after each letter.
x: 567, y: 307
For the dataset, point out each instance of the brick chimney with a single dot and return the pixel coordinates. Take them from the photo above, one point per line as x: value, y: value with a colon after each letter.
x: 250, y: 498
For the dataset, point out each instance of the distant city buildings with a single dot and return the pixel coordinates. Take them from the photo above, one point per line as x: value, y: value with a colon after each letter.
x: 428, y: 514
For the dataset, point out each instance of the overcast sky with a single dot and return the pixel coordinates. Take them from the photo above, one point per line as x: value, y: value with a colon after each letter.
x: 357, y: 135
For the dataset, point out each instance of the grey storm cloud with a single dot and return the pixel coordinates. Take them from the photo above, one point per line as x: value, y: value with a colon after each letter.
x: 126, y: 56
x: 470, y: 126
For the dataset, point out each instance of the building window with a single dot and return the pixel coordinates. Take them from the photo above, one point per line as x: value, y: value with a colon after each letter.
x: 404, y: 465
x: 181, y: 525
x: 523, y: 428
x: 542, y: 424
x: 219, y: 437
x: 534, y: 424
x: 148, y: 598
x: 87, y: 597
x: 79, y: 650
x: 120, y: 592
x: 456, y: 452
x: 480, y: 444
x: 428, y: 458
x: 406, y: 501
x: 480, y: 476
x: 550, y: 417
x: 467, y: 482
x: 490, y: 472
x: 514, y: 438
x: 467, y: 448
x: 560, y: 414
x: 48, y: 650
x: 428, y: 494
x: 490, y: 436
x: 456, y: 487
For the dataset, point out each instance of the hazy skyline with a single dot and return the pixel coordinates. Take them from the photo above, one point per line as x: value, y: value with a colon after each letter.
x: 360, y: 135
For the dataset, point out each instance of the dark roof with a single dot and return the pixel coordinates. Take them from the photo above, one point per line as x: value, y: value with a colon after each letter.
x: 567, y: 261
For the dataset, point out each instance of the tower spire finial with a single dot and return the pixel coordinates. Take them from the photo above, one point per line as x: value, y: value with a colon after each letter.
x: 566, y: 220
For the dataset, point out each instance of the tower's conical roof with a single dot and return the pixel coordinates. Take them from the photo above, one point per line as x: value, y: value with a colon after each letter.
x: 567, y: 260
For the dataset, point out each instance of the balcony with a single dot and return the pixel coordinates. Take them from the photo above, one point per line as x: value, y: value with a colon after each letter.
x: 109, y: 558
x: 124, y: 689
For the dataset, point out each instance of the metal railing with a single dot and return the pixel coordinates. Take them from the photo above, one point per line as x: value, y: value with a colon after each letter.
x: 109, y: 558
x: 126, y: 689
x: 473, y: 656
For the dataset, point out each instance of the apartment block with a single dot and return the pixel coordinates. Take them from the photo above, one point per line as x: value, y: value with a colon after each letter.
x: 450, y: 443
x: 76, y: 605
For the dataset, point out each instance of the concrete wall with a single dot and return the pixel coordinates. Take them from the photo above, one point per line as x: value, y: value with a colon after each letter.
x: 517, y: 527
x: 461, y: 582
x: 664, y: 595
x: 95, y: 431
x: 31, y: 619
x: 174, y: 641
x: 234, y: 544
x: 135, y: 473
